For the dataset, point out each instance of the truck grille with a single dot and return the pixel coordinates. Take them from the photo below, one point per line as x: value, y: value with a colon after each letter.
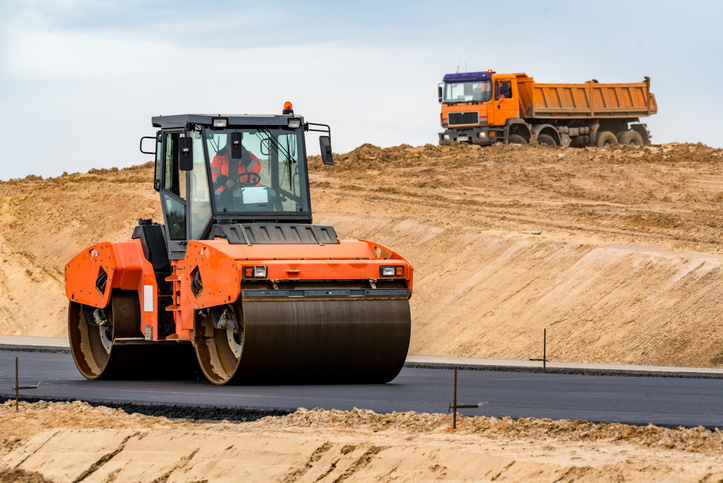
x: 463, y: 118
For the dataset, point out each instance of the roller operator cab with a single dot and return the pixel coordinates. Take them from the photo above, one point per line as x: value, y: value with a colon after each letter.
x: 237, y: 283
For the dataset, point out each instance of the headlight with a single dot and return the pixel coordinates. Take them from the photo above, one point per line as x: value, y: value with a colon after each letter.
x: 259, y: 272
x: 294, y: 123
x: 391, y: 271
x: 481, y: 134
x: 446, y: 137
x: 220, y: 122
x: 255, y: 272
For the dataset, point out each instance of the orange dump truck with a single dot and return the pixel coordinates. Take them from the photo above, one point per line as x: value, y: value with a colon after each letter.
x: 487, y: 107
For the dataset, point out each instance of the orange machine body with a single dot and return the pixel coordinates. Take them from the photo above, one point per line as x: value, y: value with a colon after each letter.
x: 240, y: 276
x: 221, y: 267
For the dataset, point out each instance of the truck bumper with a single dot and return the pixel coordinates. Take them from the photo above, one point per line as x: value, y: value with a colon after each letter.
x: 474, y: 135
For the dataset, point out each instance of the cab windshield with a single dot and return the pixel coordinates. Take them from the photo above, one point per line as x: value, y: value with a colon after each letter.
x: 468, y: 92
x: 266, y: 174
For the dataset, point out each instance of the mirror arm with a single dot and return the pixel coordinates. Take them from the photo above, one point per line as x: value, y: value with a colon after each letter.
x: 325, y: 147
x: 327, y: 128
x: 141, y: 144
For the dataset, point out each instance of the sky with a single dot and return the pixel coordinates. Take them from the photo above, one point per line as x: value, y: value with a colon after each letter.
x: 81, y: 79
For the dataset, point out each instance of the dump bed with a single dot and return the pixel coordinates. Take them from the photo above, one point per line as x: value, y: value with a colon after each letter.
x: 584, y: 101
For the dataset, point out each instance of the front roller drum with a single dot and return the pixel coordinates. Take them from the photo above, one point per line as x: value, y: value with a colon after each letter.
x: 98, y: 356
x: 304, y: 341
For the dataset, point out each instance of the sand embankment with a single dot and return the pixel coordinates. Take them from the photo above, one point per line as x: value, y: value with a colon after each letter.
x: 627, y: 267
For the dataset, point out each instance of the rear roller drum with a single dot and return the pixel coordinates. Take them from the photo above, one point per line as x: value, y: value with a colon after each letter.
x: 93, y: 332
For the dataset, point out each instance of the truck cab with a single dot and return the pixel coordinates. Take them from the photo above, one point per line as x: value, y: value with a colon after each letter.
x: 476, y: 106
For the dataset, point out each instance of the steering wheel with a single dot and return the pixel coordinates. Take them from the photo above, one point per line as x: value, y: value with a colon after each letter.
x: 251, y: 179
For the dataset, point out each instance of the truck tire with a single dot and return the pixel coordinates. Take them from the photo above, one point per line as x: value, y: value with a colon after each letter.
x: 605, y: 138
x: 619, y: 136
x: 516, y: 139
x: 631, y: 137
x: 546, y: 140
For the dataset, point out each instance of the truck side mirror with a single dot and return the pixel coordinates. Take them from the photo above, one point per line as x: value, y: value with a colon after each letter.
x: 185, y: 153
x: 325, y: 145
x: 439, y: 93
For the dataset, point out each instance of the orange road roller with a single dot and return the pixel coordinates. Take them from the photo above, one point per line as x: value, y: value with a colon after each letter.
x: 237, y: 283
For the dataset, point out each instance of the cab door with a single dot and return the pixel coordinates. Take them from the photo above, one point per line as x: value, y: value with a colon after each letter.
x: 173, y: 197
x: 506, y: 105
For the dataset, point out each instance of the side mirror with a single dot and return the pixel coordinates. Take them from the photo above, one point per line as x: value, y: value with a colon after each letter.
x: 185, y: 153
x: 236, y: 151
x: 439, y: 93
x: 146, y: 151
x: 325, y: 145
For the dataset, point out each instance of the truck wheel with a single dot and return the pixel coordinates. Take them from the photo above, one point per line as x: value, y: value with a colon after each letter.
x: 605, y: 139
x: 516, y: 139
x: 631, y: 137
x: 546, y: 140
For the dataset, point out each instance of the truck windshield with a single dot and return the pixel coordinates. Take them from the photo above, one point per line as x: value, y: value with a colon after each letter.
x: 468, y: 92
x: 269, y: 175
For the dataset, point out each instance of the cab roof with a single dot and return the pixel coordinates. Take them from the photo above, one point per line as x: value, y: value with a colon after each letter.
x: 180, y: 120
x: 468, y: 77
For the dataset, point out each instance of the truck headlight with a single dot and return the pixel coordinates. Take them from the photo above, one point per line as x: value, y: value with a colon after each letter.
x: 481, y: 135
x: 446, y: 137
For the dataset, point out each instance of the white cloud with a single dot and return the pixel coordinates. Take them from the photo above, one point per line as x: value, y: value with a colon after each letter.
x: 103, y: 90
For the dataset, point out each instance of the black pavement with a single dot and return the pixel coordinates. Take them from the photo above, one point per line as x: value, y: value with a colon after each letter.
x: 664, y: 401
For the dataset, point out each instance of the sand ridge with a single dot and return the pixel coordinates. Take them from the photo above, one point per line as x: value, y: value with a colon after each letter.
x: 627, y: 268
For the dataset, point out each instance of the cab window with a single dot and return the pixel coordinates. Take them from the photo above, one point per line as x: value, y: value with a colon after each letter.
x: 269, y: 175
x: 503, y: 90
x: 174, y: 181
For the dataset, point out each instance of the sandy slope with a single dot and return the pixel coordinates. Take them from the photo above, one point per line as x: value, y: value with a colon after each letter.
x: 627, y: 268
x: 72, y: 442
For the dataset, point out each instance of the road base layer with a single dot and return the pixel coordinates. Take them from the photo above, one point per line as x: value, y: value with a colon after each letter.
x: 59, y: 442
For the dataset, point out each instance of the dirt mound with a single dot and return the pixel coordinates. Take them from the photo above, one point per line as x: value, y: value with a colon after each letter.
x: 627, y: 267
x: 46, y: 222
x: 21, y: 476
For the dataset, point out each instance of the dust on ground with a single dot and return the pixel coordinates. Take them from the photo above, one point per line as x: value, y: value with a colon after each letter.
x: 62, y: 442
x: 627, y: 267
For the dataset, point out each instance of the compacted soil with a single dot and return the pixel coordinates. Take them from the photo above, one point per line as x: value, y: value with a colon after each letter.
x: 73, y: 442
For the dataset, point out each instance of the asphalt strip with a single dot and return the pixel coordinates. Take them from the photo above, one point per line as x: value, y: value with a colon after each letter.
x: 578, y: 371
